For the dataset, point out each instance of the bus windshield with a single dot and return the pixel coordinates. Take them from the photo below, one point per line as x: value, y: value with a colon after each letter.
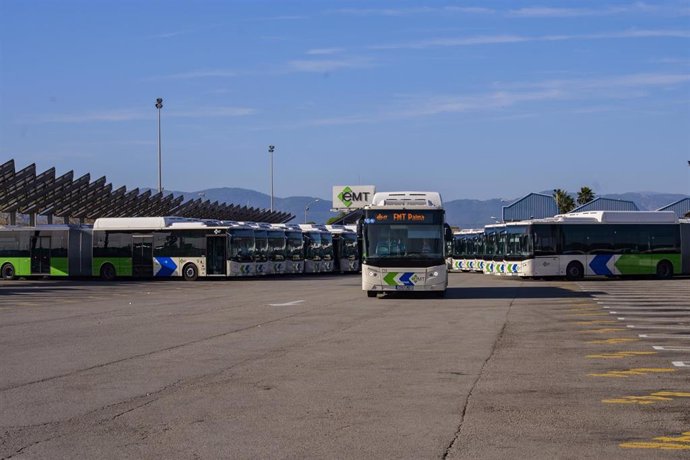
x: 295, y: 245
x: 405, y: 242
x: 313, y: 250
x: 349, y: 245
x: 261, y: 251
x: 241, y: 245
x: 277, y: 245
x: 327, y: 246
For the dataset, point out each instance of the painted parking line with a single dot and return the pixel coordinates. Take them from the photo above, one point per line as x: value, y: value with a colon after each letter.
x: 286, y: 304
x: 621, y: 354
x: 612, y: 341
x: 635, y: 371
x: 681, y: 442
x: 661, y: 314
x: 603, y: 330
x: 665, y: 336
x: 651, y: 398
x: 663, y: 348
x: 681, y: 363
x: 658, y: 327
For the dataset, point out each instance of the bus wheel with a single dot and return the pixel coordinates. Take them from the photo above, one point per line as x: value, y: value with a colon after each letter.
x: 575, y: 271
x: 664, y: 270
x: 7, y: 272
x: 107, y: 272
x: 371, y: 293
x: 190, y: 273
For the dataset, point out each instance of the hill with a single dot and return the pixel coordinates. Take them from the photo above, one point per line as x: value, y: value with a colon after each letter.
x: 464, y: 213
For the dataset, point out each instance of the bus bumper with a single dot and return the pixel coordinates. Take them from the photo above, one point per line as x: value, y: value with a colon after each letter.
x: 404, y: 279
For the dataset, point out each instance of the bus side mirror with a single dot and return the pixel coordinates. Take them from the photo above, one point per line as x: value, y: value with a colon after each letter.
x: 360, y: 228
x: 448, y: 233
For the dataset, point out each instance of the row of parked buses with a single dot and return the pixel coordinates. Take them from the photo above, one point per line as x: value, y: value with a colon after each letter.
x: 176, y: 247
x: 578, y: 245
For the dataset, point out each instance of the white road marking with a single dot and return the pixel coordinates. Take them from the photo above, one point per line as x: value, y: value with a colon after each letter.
x: 660, y: 348
x: 681, y: 363
x: 665, y: 336
x: 286, y: 304
x: 669, y: 328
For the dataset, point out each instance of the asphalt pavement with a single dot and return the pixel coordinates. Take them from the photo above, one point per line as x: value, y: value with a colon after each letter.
x: 309, y: 367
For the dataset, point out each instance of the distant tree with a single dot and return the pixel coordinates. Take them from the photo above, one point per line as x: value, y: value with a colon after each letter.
x: 585, y: 195
x: 687, y: 214
x: 564, y: 201
x: 340, y: 215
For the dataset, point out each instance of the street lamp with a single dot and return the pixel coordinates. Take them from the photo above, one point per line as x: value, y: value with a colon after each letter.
x: 306, y: 208
x: 271, y: 148
x: 159, y: 106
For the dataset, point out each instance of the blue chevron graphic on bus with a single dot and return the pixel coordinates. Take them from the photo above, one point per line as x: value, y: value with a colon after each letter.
x: 168, y: 266
x: 599, y: 264
x: 405, y: 279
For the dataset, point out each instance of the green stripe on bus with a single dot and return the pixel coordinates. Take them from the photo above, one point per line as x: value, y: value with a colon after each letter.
x: 645, y: 264
x: 59, y: 266
x: 123, y: 265
x: 22, y: 265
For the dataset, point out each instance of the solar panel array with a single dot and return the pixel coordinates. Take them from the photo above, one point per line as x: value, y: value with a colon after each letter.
x: 24, y: 192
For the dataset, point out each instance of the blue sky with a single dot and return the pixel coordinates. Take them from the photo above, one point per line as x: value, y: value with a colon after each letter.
x: 485, y: 99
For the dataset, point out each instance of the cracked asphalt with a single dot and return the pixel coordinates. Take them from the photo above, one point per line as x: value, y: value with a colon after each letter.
x: 312, y: 368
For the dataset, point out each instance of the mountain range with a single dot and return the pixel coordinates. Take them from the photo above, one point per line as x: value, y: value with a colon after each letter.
x: 463, y: 213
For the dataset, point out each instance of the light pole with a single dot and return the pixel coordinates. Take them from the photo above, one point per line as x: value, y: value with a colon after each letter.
x: 159, y: 106
x: 271, y: 148
x: 306, y: 208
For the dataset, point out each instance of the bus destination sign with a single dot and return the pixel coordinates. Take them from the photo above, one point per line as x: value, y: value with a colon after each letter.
x: 403, y: 217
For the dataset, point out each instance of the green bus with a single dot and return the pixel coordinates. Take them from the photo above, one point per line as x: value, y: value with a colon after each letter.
x: 45, y: 250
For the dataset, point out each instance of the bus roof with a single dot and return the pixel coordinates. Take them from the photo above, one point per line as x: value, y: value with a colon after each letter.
x: 619, y: 217
x: 404, y: 200
x: 153, y: 223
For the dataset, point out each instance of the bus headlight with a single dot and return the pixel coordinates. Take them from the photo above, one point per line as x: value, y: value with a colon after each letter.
x: 372, y: 274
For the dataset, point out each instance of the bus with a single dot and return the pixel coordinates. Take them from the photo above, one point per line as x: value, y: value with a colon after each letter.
x: 241, y: 248
x: 277, y: 251
x: 159, y: 247
x: 45, y: 250
x: 493, y: 249
x: 600, y: 243
x: 294, y: 247
x: 467, y: 251
x: 318, y: 249
x: 346, y: 248
x: 404, y: 237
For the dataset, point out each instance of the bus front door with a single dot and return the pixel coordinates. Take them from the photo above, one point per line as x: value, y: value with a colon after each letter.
x: 40, y: 255
x: 215, y: 255
x: 142, y: 255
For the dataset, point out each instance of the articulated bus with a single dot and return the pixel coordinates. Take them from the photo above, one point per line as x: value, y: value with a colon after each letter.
x: 467, y: 251
x: 598, y: 243
x: 46, y: 250
x: 404, y: 240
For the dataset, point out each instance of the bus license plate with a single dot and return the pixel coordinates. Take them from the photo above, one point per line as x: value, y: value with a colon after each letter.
x: 404, y: 288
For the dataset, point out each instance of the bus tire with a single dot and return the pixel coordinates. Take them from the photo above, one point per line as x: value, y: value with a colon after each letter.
x: 664, y: 270
x: 190, y: 272
x: 439, y: 294
x: 7, y: 271
x: 371, y: 293
x: 108, y: 272
x: 575, y: 271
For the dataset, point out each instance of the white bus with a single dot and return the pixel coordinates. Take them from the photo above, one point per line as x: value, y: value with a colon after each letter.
x: 467, y: 251
x: 346, y: 248
x: 404, y: 237
x: 294, y: 247
x: 159, y: 247
x: 599, y: 243
x: 318, y: 249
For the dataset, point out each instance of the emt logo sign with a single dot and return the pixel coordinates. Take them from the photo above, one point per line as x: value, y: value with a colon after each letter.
x: 348, y: 197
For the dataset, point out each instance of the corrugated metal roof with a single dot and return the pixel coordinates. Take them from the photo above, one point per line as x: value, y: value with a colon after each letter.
x: 532, y: 206
x: 607, y: 204
x: 680, y: 207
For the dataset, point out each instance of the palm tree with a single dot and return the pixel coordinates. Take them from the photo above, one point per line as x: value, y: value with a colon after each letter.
x: 564, y: 201
x: 585, y: 195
